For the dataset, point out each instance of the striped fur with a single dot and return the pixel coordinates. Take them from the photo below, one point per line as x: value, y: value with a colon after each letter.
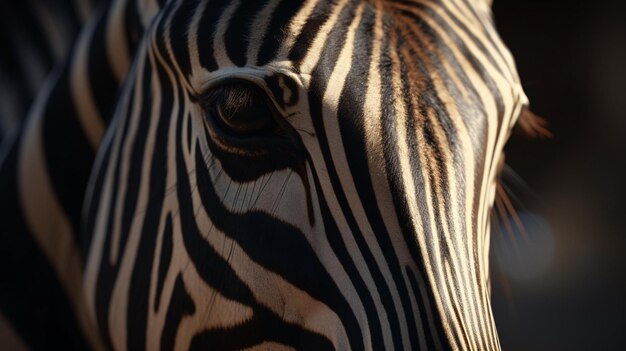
x: 361, y: 224
x: 35, y: 35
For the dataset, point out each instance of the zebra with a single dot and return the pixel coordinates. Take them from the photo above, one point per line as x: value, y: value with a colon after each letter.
x: 35, y: 36
x: 277, y: 174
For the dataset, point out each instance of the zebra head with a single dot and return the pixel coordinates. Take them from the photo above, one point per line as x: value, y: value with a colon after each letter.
x: 302, y: 174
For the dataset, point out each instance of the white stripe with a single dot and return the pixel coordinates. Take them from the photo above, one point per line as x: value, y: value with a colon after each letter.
x: 258, y: 31
x: 197, y: 71
x: 115, y: 39
x: 315, y: 49
x: 11, y: 340
x: 45, y: 217
x: 139, y: 100
x: 337, y: 82
x: 119, y: 296
x: 81, y: 90
x: 219, y: 42
x: 295, y: 28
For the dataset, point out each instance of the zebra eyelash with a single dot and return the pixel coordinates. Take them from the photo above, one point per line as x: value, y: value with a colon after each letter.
x: 241, y: 109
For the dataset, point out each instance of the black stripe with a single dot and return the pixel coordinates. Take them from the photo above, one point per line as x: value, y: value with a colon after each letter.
x: 425, y: 304
x: 89, y: 221
x: 206, y: 31
x: 107, y: 273
x: 492, y: 35
x: 68, y: 154
x: 428, y: 100
x: 265, y: 326
x: 424, y: 168
x: 179, y: 28
x: 181, y: 305
x: 461, y: 45
x: 164, y: 260
x: 277, y: 30
x: 453, y: 310
x: 318, y: 17
x: 11, y: 61
x: 478, y: 42
x: 102, y: 81
x: 352, y: 104
x: 66, y: 13
x: 31, y: 297
x: 474, y: 112
x: 13, y: 77
x: 392, y: 161
x: 33, y: 33
x: 138, y: 293
x: 276, y: 245
x: 137, y: 149
x: 320, y: 75
x: 445, y: 25
x: 133, y: 28
x: 237, y: 36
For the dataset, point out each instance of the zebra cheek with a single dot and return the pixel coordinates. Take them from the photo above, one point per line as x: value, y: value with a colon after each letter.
x: 260, y: 157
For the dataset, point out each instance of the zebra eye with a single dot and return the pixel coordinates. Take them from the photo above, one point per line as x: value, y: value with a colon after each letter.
x: 241, y: 109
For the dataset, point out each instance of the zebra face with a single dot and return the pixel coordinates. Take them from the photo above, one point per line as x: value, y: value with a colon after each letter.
x: 302, y: 174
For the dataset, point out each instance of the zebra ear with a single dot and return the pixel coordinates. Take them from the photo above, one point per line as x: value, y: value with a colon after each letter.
x: 532, y: 125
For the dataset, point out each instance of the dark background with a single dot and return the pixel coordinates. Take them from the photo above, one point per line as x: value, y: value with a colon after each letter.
x: 564, y: 287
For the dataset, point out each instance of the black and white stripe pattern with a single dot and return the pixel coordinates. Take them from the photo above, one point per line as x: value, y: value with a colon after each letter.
x: 359, y: 222
x: 35, y: 35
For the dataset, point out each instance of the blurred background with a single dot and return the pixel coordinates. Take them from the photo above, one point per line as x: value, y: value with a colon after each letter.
x: 564, y: 287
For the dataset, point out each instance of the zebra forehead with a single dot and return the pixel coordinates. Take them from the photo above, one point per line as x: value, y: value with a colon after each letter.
x: 429, y: 38
x: 273, y: 29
